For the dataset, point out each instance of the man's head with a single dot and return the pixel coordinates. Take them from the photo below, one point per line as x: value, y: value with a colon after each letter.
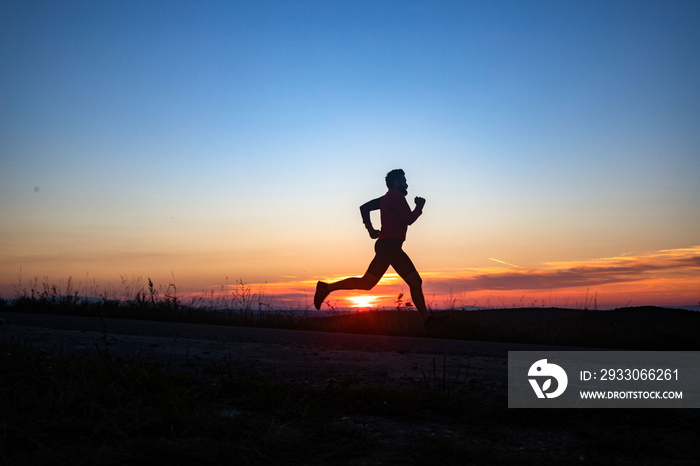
x: 396, y: 179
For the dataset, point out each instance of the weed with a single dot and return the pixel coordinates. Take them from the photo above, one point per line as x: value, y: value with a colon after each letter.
x: 402, y: 305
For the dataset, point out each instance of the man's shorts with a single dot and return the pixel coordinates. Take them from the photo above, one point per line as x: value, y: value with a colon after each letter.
x: 388, y: 252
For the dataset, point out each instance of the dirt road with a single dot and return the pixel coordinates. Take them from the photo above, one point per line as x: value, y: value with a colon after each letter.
x: 316, y: 358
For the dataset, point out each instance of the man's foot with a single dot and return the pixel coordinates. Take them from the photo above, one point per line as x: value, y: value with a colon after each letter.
x: 434, y: 321
x: 321, y: 294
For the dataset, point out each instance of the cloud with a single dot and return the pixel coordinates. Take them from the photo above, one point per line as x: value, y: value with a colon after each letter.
x: 574, y: 274
x: 504, y: 262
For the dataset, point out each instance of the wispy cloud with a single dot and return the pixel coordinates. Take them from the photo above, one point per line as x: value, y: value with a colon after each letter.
x: 504, y: 262
x: 670, y: 276
x: 588, y: 273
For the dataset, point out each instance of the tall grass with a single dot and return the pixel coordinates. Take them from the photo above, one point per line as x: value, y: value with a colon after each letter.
x: 140, y: 291
x: 140, y: 298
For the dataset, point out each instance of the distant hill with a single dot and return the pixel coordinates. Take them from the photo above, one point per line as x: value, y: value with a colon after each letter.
x: 638, y: 328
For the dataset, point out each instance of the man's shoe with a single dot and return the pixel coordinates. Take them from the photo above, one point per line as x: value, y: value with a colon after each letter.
x: 321, y: 294
x: 434, y: 321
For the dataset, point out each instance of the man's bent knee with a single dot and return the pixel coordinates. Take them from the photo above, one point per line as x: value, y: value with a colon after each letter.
x: 368, y: 281
x: 414, y: 280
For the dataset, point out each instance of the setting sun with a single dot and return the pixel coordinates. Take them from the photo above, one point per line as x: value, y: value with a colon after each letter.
x: 362, y: 301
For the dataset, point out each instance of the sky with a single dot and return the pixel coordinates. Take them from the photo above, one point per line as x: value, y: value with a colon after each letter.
x: 208, y: 143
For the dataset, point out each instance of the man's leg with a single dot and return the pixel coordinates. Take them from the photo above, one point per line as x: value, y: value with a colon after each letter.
x: 430, y: 320
x: 374, y: 273
x: 404, y: 267
x: 415, y: 284
x: 366, y: 282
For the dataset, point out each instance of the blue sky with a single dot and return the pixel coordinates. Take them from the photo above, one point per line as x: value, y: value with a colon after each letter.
x: 244, y: 135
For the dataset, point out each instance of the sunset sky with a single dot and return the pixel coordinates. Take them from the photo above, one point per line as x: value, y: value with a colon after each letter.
x: 199, y: 143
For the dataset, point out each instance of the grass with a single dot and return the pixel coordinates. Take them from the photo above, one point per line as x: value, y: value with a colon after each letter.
x: 56, y: 409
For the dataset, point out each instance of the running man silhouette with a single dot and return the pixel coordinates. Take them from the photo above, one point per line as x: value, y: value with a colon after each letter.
x: 396, y: 216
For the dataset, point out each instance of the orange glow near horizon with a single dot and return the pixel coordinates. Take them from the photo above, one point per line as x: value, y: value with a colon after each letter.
x: 665, y: 277
x: 363, y: 302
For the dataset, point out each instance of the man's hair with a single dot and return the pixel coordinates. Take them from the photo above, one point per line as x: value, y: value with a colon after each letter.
x: 393, y: 175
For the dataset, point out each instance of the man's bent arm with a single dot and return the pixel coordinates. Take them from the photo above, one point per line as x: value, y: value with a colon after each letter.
x: 406, y: 214
x: 367, y: 207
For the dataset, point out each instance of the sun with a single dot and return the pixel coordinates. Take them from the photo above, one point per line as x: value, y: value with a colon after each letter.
x: 362, y: 301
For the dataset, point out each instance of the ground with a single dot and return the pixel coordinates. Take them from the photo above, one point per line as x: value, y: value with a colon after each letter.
x: 430, y: 398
